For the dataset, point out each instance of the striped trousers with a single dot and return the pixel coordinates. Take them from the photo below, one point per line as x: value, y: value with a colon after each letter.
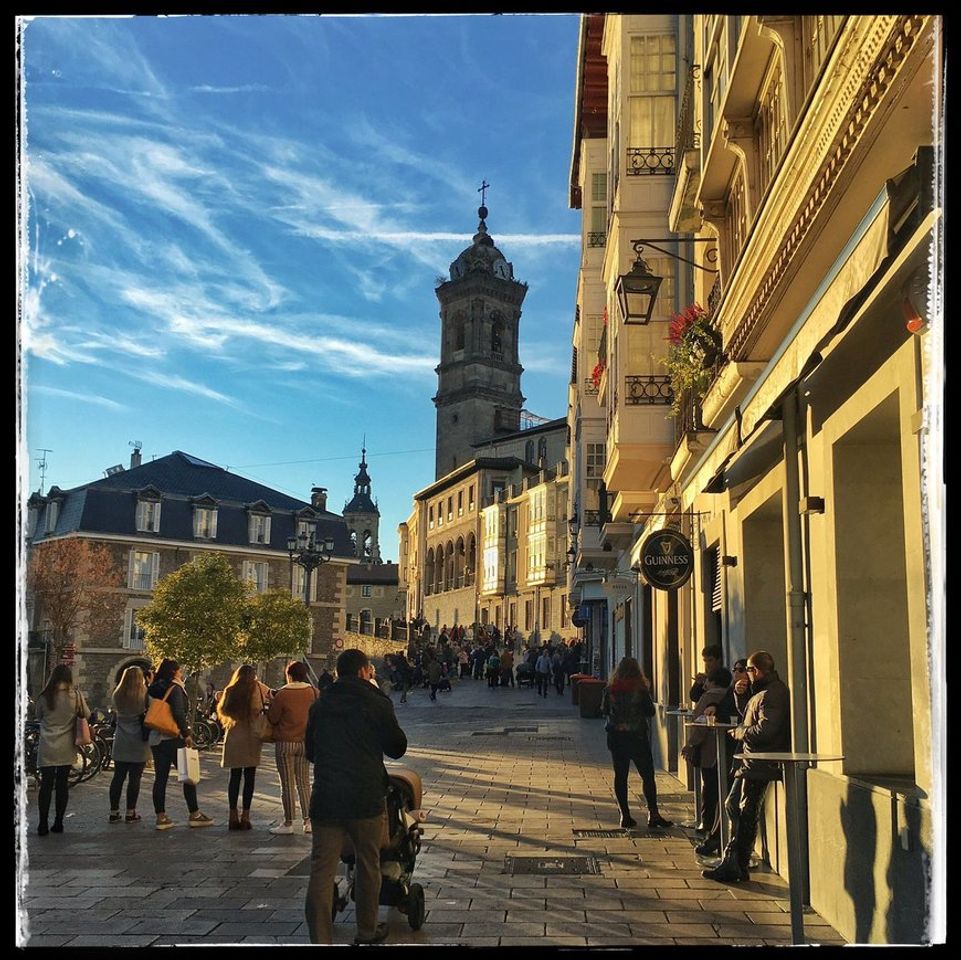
x: 293, y: 768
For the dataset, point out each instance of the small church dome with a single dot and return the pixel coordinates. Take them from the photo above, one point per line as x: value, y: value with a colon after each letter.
x: 482, y: 256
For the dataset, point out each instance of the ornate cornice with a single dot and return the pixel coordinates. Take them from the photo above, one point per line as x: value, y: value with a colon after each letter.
x: 879, y: 59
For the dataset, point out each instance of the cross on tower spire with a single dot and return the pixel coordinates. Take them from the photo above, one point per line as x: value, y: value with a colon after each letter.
x: 482, y: 190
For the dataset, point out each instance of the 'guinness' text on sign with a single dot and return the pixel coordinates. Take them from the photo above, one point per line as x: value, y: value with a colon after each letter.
x: 667, y: 559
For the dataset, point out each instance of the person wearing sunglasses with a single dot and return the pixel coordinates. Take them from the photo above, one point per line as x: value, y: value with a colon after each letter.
x: 766, y: 726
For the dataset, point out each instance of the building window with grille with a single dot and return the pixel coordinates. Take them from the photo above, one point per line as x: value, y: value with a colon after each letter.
x: 595, y: 460
x: 258, y: 528
x: 818, y: 36
x: 470, y: 498
x: 450, y: 509
x: 770, y: 123
x: 460, y: 503
x: 546, y: 613
x: 651, y: 123
x: 133, y: 633
x: 366, y: 590
x: 144, y: 568
x: 430, y: 518
x: 297, y: 584
x: 528, y: 614
x: 205, y: 523
x: 597, y: 227
x: 737, y: 215
x: 255, y: 573
x: 715, y: 73
x: 148, y: 516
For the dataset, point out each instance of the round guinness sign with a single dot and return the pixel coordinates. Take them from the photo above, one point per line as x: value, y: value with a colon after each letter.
x: 667, y: 559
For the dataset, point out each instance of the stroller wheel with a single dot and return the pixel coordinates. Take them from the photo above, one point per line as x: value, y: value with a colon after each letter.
x: 415, y: 906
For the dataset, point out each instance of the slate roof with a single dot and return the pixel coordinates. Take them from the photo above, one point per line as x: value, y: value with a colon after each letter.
x: 109, y: 506
x: 383, y: 573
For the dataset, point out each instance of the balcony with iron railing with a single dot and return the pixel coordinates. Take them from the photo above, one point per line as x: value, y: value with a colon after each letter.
x: 596, y: 238
x: 648, y: 390
x: 646, y: 161
x: 683, y: 215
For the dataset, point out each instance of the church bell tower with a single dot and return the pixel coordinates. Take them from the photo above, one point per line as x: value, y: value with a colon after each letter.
x: 362, y: 516
x: 479, y: 375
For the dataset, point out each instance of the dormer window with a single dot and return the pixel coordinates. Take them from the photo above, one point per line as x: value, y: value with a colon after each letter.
x: 306, y: 528
x: 53, y: 513
x: 205, y: 523
x: 33, y: 515
x: 259, y: 528
x: 148, y: 516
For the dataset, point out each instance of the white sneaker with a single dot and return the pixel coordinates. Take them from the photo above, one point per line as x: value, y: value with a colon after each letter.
x: 307, y: 827
x: 284, y: 828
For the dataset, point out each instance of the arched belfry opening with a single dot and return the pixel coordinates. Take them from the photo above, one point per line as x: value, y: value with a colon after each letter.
x: 362, y: 516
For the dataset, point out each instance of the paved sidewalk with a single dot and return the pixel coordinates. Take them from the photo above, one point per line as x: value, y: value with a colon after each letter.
x: 506, y: 774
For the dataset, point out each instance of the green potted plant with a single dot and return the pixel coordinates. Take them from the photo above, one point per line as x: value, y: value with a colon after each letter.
x: 694, y: 346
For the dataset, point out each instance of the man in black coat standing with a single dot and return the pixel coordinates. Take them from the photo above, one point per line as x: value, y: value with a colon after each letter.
x: 349, y: 729
x: 766, y: 727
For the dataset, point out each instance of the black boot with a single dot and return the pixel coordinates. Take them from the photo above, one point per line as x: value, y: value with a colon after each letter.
x: 627, y: 821
x: 655, y: 820
x: 710, y: 847
x: 728, y: 870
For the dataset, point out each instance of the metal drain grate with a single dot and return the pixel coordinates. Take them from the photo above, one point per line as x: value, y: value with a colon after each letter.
x: 551, y: 866
x: 604, y: 834
x: 540, y: 738
x: 488, y: 733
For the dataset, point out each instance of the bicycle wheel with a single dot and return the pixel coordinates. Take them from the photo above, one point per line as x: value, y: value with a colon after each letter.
x: 94, y: 761
x: 78, y: 769
x: 203, y: 735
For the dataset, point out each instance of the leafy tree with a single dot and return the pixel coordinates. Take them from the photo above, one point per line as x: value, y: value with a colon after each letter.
x: 277, y: 625
x: 196, y: 616
x: 73, y: 581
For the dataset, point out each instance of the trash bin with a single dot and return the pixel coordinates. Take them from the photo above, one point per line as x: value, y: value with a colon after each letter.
x: 589, y: 697
x: 575, y: 680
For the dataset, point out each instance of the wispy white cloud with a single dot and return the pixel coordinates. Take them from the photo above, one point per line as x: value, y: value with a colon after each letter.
x: 244, y: 88
x: 176, y: 382
x: 93, y: 398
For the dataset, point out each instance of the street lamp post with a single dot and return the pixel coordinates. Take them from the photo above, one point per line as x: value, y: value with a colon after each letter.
x: 308, y: 555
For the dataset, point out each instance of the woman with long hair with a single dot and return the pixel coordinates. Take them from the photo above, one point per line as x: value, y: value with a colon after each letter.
x: 627, y: 704
x: 288, y: 716
x: 244, y: 698
x: 169, y: 679
x: 57, y: 709
x: 130, y: 750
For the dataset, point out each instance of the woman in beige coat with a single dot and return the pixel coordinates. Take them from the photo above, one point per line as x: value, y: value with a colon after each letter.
x: 243, y: 700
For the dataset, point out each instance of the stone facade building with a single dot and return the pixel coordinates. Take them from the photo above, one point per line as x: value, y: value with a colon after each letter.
x: 801, y: 154
x: 156, y: 516
x: 373, y: 595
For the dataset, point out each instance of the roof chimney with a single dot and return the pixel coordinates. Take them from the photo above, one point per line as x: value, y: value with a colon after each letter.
x: 318, y: 498
x: 135, y: 456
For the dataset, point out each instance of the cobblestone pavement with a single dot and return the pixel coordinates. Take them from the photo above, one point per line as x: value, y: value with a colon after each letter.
x: 505, y: 773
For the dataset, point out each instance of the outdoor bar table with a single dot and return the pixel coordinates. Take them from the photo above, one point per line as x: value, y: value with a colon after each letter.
x: 677, y: 715
x: 719, y: 729
x: 791, y: 764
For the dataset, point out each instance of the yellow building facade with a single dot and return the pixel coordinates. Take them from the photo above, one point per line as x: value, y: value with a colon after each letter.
x: 805, y: 162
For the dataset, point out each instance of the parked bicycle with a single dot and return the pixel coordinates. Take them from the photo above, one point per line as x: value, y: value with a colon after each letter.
x: 85, y: 765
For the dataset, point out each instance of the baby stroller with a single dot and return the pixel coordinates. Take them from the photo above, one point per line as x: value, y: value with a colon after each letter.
x: 398, y: 851
x: 524, y: 674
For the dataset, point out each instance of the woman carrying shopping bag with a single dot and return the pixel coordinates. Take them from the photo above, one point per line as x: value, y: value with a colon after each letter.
x: 58, y: 708
x: 130, y: 750
x: 241, y: 711
x: 288, y: 716
x: 168, y: 688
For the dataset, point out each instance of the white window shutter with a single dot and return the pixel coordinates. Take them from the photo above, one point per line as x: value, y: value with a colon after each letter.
x: 154, y: 569
x: 127, y: 628
x: 266, y: 529
x: 130, y: 569
x: 246, y: 570
x: 213, y: 524
x: 197, y: 516
x: 140, y: 514
x: 266, y: 568
x: 156, y: 517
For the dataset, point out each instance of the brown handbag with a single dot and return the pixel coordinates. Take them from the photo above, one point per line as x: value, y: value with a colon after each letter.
x: 261, y: 725
x: 160, y: 717
x: 82, y: 736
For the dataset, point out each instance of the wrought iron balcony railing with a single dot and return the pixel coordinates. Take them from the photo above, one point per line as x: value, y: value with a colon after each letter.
x: 714, y: 297
x: 596, y: 518
x: 597, y: 238
x: 650, y: 160
x: 648, y: 390
x: 590, y: 388
x: 688, y: 133
x: 688, y: 420
x: 602, y: 346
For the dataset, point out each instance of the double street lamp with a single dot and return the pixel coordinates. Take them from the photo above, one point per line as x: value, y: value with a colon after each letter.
x: 309, y: 555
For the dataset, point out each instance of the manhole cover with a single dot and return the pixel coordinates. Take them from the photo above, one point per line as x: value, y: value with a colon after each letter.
x: 540, y: 738
x: 548, y: 865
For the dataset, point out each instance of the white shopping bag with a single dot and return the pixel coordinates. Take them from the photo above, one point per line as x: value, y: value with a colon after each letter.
x: 188, y: 765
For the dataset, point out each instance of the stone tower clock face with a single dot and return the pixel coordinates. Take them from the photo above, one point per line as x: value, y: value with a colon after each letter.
x: 501, y: 269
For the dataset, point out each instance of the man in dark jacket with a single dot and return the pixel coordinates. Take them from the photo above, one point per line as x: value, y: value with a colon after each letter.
x: 349, y: 729
x: 766, y: 727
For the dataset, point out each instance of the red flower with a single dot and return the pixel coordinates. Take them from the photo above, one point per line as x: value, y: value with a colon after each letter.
x: 682, y: 322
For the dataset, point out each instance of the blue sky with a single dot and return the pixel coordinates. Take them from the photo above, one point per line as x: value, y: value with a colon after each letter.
x: 234, y: 225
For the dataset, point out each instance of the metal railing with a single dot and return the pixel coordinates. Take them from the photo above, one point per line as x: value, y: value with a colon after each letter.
x: 141, y: 581
x: 602, y: 347
x: 688, y: 419
x: 590, y: 388
x: 596, y: 518
x: 597, y: 238
x: 714, y: 297
x: 650, y: 160
x: 641, y: 390
x: 688, y: 135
